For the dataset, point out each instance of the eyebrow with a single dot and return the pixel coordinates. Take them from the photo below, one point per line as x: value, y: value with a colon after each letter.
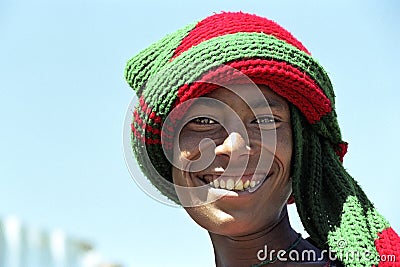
x: 260, y: 103
x: 256, y: 104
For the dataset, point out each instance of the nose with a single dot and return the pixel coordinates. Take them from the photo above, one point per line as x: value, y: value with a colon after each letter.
x: 234, y: 146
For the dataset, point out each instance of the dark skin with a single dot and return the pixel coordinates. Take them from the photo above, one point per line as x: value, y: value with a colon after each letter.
x: 241, y: 223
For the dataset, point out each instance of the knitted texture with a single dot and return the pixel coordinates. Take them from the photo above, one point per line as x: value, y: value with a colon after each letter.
x: 183, y: 66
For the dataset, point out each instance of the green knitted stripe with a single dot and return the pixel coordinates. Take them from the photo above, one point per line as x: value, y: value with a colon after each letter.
x: 140, y: 67
x: 303, y: 165
x: 146, y: 156
x: 316, y: 171
x: 352, y: 239
x: 149, y: 122
x: 145, y: 133
x: 377, y: 222
x: 161, y: 91
x: 142, y: 131
x: 328, y: 127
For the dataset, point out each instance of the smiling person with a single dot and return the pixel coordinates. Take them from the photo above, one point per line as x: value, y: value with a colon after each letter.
x: 235, y: 121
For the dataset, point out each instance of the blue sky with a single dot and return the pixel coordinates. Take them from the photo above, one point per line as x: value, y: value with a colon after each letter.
x: 63, y: 102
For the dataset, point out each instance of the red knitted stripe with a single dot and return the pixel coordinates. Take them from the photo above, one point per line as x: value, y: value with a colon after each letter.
x: 285, y: 80
x: 144, y: 108
x: 143, y: 125
x: 342, y: 150
x: 147, y: 110
x: 143, y: 139
x: 230, y: 23
x: 137, y: 135
x: 388, y: 247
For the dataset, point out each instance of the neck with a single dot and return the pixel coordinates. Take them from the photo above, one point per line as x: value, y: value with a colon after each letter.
x: 245, y: 250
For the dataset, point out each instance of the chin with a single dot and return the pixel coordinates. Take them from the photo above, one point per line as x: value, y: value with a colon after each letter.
x: 245, y: 213
x: 235, y: 223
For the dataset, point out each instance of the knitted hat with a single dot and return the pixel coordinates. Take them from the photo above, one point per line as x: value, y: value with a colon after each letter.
x: 332, y: 207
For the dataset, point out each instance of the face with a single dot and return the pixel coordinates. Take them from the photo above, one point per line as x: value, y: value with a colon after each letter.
x: 237, y: 148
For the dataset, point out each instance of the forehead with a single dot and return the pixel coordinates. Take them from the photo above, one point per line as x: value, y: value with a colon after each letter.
x: 250, y: 94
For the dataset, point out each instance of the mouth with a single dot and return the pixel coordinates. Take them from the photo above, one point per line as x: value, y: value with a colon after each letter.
x: 245, y: 183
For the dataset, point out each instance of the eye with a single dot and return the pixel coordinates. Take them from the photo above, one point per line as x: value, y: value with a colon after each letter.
x: 269, y: 119
x: 203, y: 121
x: 266, y: 122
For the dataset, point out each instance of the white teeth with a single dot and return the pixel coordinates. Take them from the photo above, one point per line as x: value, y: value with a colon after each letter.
x: 230, y: 184
x: 222, y: 184
x: 257, y: 185
x: 239, y: 185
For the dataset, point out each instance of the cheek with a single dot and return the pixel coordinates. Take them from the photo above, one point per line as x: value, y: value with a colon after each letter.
x: 284, y: 145
x: 177, y: 177
x: 196, y: 150
x: 281, y: 166
x: 187, y: 145
x: 185, y: 148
